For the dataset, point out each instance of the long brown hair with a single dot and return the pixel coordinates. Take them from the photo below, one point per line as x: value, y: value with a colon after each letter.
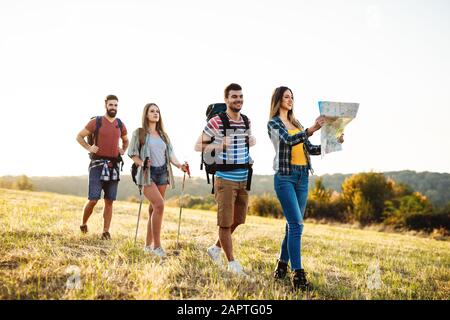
x: 275, y: 106
x: 159, y: 124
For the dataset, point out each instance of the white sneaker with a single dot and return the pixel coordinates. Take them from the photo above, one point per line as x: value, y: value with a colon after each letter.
x: 159, y: 252
x: 214, y: 252
x: 148, y: 249
x: 236, y: 268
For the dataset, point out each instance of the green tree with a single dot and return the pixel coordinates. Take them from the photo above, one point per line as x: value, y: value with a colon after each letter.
x: 266, y: 205
x: 400, y: 189
x: 415, y: 203
x: 23, y: 183
x: 363, y: 210
x: 365, y: 195
x: 320, y: 193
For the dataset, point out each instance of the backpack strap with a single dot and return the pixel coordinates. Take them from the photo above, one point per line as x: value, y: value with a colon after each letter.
x: 247, y: 127
x: 249, y: 177
x: 246, y: 121
x: 98, y: 124
x: 247, y: 143
x: 120, y: 123
x: 225, y: 122
x: 225, y: 126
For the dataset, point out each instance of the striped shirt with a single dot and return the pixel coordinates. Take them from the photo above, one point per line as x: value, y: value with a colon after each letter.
x: 237, y: 153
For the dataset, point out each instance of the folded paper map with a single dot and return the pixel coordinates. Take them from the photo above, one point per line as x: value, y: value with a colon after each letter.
x: 337, y: 115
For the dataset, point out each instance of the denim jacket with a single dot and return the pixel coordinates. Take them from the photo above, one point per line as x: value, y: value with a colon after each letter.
x: 283, y: 143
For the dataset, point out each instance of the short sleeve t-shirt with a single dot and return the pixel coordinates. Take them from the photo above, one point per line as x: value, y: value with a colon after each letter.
x: 108, y: 137
x: 237, y: 153
x: 157, y: 151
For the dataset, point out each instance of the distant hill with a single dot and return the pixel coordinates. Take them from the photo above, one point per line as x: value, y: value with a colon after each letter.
x: 436, y: 186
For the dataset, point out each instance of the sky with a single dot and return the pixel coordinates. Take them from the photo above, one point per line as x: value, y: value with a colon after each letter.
x: 59, y: 59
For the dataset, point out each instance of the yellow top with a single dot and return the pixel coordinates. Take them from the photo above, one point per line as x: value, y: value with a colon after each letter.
x: 298, y: 157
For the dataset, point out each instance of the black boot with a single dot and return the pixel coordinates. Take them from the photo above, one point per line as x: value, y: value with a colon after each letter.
x: 299, y: 280
x: 281, y: 270
x: 106, y: 236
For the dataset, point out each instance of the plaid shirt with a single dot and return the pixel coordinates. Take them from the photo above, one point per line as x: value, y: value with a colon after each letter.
x: 109, y: 171
x: 283, y: 143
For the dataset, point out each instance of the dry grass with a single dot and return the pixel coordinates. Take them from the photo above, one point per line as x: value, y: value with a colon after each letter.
x: 41, y: 245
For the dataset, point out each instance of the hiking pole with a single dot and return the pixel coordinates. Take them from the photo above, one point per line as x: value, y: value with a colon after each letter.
x: 181, y: 197
x: 139, y: 213
x: 140, y: 203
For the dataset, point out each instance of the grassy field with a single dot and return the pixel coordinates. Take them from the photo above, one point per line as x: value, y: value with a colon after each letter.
x: 41, y: 248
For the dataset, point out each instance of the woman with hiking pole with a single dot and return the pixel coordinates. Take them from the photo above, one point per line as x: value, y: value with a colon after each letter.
x: 292, y: 165
x: 152, y: 142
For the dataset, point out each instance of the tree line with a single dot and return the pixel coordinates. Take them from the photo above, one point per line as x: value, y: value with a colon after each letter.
x: 18, y: 183
x: 365, y: 198
x: 435, y: 186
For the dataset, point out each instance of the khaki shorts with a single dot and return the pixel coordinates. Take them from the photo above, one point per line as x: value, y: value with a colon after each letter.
x: 232, y: 202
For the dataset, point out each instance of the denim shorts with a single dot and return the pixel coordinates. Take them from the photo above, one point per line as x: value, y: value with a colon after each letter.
x: 96, y: 185
x: 159, y: 175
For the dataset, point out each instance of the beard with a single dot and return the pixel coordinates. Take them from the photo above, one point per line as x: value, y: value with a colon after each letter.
x: 234, y: 109
x: 111, y: 113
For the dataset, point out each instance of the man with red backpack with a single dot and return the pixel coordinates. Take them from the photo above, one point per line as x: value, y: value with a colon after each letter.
x: 103, y: 134
x: 225, y: 144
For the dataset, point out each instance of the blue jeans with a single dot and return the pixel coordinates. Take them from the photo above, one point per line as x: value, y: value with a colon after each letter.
x: 292, y: 192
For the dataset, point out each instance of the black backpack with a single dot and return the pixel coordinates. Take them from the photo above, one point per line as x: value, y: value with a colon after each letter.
x: 219, y: 109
